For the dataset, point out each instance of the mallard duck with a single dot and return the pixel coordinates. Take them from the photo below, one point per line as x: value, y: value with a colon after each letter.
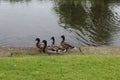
x: 52, y: 46
x: 53, y: 42
x: 48, y: 50
x: 45, y: 46
x: 65, y: 45
x: 55, y: 47
x: 39, y: 44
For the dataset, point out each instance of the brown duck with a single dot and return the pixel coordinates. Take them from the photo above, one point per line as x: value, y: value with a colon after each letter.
x: 65, y: 45
x: 38, y: 44
x: 46, y: 49
x: 55, y: 47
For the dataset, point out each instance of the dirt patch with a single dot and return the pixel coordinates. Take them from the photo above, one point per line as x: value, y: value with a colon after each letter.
x: 6, y: 51
x: 100, y: 50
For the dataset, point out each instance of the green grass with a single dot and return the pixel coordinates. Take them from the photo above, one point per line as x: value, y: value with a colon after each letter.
x: 66, y: 67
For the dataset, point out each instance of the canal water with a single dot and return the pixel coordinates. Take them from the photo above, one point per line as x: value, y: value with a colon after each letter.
x: 83, y: 22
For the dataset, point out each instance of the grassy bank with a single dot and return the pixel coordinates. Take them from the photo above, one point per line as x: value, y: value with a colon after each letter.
x: 67, y: 67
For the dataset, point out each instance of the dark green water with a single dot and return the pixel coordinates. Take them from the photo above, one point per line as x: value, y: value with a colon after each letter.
x: 83, y: 22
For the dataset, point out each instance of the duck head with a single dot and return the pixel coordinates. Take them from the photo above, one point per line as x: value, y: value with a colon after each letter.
x: 37, y: 39
x: 63, y: 37
x: 53, y: 39
x: 38, y: 42
x: 45, y: 42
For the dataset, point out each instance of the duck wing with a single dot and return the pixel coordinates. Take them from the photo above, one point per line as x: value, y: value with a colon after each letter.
x: 66, y: 45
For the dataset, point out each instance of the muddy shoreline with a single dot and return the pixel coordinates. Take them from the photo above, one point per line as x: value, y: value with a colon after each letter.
x: 6, y: 51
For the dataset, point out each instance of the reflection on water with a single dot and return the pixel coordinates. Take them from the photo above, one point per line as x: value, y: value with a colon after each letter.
x: 84, y: 22
x: 94, y: 22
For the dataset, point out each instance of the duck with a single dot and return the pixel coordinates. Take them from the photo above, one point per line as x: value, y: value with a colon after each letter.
x: 65, y: 45
x: 45, y: 46
x: 53, y: 46
x: 47, y: 50
x: 38, y: 44
x: 53, y: 41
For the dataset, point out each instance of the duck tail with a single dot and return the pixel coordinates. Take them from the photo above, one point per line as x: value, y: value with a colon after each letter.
x: 72, y: 47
